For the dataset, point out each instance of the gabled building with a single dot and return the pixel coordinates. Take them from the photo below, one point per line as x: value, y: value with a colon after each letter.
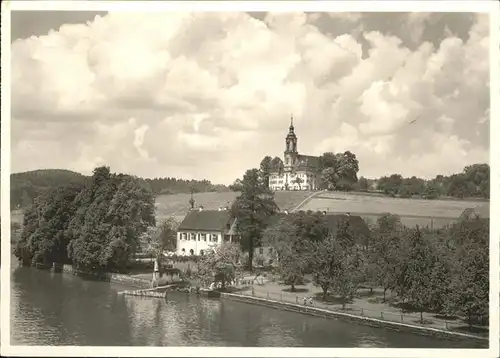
x: 299, y: 172
x: 481, y: 211
x: 333, y: 222
x: 203, y: 229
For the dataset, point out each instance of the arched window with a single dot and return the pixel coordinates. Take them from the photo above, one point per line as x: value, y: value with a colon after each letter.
x: 202, y: 252
x: 191, y: 252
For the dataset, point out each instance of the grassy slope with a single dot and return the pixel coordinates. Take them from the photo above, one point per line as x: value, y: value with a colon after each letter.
x: 178, y: 204
x: 412, y: 211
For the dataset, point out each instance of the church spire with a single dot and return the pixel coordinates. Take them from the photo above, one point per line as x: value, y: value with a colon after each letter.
x: 291, y: 138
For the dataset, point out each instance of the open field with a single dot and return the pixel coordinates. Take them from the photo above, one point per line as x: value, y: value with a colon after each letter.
x: 177, y: 205
x: 435, y: 213
x: 412, y: 211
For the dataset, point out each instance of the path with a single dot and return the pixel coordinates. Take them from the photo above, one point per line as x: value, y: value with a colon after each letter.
x: 305, y: 201
x: 361, y: 306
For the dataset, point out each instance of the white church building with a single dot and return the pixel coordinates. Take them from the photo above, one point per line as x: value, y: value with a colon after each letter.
x: 299, y: 172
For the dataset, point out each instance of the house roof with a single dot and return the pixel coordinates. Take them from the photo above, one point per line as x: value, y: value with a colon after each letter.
x: 206, y: 220
x: 356, y: 222
x: 333, y: 222
x: 483, y: 211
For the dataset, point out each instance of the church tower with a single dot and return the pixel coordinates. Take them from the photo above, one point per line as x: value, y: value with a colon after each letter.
x: 291, y: 146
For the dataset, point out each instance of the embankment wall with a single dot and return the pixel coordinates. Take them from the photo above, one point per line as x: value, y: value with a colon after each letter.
x: 401, y: 327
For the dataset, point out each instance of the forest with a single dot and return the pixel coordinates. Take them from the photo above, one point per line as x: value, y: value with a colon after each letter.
x: 25, y: 187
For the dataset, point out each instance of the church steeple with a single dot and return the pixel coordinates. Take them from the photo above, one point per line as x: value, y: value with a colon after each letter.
x: 291, y: 139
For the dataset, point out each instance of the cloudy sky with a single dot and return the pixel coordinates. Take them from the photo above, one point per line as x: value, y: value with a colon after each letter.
x: 207, y: 95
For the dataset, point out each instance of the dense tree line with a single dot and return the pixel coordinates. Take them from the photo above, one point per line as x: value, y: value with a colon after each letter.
x: 161, y: 186
x: 473, y: 181
x: 443, y: 271
x: 94, y: 226
x: 25, y: 187
x: 339, y: 172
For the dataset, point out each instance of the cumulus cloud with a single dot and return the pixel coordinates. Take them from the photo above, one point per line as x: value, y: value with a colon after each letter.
x: 207, y: 95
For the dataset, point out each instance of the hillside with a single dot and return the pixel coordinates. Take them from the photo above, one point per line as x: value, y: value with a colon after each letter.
x: 26, y: 186
x: 178, y: 205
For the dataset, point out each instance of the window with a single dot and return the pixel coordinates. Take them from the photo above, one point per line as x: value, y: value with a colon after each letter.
x: 214, y: 238
x: 193, y: 236
x: 203, y: 237
x: 261, y: 250
x: 183, y: 236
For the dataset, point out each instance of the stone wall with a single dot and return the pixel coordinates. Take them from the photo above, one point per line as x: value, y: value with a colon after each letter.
x: 401, y: 327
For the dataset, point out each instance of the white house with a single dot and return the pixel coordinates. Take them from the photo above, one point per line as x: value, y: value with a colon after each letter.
x: 203, y: 229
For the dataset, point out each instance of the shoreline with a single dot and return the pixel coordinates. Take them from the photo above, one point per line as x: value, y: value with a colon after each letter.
x: 368, y: 321
x: 142, y: 284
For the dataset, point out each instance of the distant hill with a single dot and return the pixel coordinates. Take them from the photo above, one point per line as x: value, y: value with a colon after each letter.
x: 26, y: 186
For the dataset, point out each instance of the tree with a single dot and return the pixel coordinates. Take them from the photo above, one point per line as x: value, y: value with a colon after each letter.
x: 236, y: 186
x: 265, y: 169
x: 459, y: 187
x: 469, y: 289
x: 114, y: 210
x: 221, y: 264
x: 431, y: 191
x: 478, y: 175
x: 349, y: 276
x: 298, y: 181
x: 419, y: 271
x: 384, y: 260
x: 363, y: 184
x: 325, y: 263
x: 291, y: 250
x: 161, y: 238
x: 277, y: 165
x: 44, y: 237
x: 339, y: 171
x: 390, y: 185
x: 252, y: 208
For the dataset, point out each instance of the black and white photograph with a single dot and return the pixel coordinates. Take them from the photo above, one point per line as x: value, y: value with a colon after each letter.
x: 244, y: 177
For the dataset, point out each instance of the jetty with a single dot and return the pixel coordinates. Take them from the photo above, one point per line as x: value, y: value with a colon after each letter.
x: 159, y: 292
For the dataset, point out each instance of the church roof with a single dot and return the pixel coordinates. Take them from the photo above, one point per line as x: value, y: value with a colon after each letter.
x: 307, y: 161
x: 206, y: 220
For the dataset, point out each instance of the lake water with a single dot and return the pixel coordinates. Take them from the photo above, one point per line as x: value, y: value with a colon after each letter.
x: 60, y: 309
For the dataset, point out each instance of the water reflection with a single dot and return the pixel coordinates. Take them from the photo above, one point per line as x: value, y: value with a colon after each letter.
x: 61, y: 309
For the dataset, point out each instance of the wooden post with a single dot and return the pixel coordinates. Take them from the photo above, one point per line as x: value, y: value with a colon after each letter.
x: 362, y: 312
x: 281, y: 296
x: 267, y: 294
x: 296, y: 299
x: 401, y: 318
x: 382, y: 315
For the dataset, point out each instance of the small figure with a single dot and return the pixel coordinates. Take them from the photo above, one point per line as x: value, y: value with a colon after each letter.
x: 311, y: 301
x: 305, y: 300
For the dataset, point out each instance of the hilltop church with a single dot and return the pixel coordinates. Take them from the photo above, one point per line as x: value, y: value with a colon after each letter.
x: 299, y: 172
